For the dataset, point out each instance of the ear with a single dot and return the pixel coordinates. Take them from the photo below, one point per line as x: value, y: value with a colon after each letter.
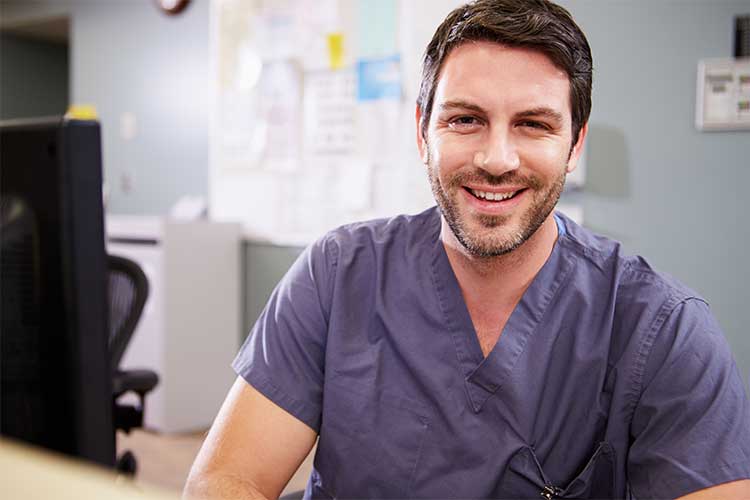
x: 421, y: 143
x: 575, y: 154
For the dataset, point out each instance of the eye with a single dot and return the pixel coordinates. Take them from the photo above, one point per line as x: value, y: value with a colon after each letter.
x: 534, y: 125
x: 463, y: 122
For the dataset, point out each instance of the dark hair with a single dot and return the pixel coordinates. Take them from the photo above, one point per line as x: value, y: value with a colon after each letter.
x: 537, y: 24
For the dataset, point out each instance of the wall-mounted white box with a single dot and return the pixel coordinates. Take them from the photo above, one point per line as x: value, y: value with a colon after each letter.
x: 723, y: 94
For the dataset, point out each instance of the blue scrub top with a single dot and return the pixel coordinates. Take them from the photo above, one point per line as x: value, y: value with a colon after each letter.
x: 609, y: 380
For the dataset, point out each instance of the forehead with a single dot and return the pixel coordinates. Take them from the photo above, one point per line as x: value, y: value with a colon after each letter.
x: 496, y: 76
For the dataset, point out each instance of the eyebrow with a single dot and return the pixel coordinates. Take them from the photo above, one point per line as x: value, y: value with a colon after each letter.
x: 459, y: 104
x: 540, y: 111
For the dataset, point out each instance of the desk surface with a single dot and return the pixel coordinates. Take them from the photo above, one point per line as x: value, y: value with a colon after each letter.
x: 30, y: 473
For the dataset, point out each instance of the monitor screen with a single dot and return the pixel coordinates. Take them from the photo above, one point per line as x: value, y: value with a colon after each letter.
x: 55, y: 378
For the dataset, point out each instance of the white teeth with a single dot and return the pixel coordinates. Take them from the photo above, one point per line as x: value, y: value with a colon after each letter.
x: 493, y: 196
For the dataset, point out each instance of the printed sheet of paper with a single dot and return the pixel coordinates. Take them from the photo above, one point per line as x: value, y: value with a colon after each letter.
x: 329, y: 113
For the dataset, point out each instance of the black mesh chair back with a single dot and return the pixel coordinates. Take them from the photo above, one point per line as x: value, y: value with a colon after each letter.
x: 128, y: 291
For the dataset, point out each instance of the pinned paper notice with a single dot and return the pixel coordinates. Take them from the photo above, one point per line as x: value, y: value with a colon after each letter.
x: 336, y: 50
x: 329, y: 108
x: 379, y: 78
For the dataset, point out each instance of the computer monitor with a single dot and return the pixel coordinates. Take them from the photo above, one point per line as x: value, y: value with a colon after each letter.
x: 55, y: 379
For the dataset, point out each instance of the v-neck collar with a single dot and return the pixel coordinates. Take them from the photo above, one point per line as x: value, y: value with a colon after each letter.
x: 483, y: 377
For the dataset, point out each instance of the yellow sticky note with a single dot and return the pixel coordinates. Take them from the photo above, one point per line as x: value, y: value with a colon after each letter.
x: 336, y: 50
x: 81, y: 112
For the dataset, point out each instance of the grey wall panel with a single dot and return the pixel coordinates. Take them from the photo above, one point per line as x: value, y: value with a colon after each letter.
x: 265, y: 265
x: 33, y: 78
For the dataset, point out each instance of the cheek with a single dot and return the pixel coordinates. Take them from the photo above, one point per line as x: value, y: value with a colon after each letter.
x: 546, y: 158
x: 448, y: 154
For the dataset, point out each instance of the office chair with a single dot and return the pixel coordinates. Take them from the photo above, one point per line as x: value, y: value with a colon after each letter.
x: 128, y: 290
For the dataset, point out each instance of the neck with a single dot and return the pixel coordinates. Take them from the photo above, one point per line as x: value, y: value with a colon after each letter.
x: 504, y: 277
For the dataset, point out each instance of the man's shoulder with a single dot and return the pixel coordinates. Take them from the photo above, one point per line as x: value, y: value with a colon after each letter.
x: 632, y: 276
x: 650, y: 311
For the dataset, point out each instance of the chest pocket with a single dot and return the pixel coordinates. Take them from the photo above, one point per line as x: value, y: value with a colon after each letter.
x: 525, y: 478
x: 370, y: 442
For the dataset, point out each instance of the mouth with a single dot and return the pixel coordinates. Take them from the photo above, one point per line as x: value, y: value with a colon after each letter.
x: 493, y: 196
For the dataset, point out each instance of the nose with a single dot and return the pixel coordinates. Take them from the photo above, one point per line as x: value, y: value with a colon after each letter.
x: 500, y: 155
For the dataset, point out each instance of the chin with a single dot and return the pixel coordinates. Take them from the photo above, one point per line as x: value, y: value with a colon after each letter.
x: 481, y: 240
x: 492, y: 247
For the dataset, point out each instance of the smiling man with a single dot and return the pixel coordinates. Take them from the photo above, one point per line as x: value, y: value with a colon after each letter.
x: 488, y: 347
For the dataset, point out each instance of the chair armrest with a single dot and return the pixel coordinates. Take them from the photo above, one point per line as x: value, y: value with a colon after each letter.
x: 138, y: 381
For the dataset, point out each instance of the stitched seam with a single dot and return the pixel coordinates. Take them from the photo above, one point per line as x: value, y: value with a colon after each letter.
x: 412, y: 476
x: 562, y: 278
x: 452, y: 328
x: 566, y: 273
x: 644, y: 352
x: 333, y: 263
x: 597, y: 257
x: 264, y: 380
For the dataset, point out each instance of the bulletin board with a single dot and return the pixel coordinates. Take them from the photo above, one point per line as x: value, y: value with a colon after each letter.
x: 312, y: 115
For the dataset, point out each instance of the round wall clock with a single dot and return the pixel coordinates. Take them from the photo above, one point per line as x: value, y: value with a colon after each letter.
x: 172, y: 7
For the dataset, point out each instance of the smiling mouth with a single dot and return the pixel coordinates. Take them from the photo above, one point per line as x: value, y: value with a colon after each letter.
x: 488, y: 196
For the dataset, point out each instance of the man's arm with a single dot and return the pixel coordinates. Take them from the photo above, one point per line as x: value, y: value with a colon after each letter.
x: 251, y: 451
x: 736, y: 490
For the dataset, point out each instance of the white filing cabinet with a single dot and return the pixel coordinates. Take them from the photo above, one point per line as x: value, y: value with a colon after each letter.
x: 190, y: 327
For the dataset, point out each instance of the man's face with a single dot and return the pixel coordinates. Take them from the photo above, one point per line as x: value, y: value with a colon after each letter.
x: 498, y: 144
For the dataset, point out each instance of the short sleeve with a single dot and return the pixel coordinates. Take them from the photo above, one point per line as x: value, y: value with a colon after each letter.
x: 284, y: 354
x: 691, y: 425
